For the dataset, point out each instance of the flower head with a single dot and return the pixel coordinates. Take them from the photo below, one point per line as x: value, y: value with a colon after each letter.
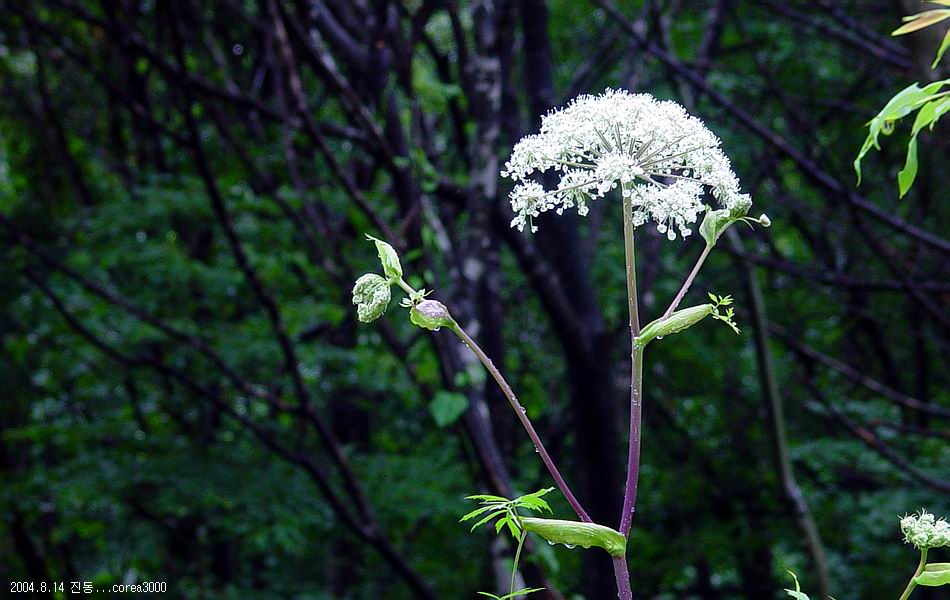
x: 663, y: 159
x: 925, y: 531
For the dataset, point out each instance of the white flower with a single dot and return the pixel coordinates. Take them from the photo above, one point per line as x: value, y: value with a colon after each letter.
x: 925, y: 531
x: 661, y: 156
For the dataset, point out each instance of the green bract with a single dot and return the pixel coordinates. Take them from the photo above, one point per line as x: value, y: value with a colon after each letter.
x: 717, y: 221
x: 371, y: 296
x: 675, y: 323
x: 576, y: 533
x: 388, y: 257
x: 431, y: 314
x: 935, y: 574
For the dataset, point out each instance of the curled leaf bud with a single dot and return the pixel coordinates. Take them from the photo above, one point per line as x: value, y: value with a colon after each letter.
x: 388, y: 257
x: 371, y: 296
x: 675, y: 323
x: 431, y: 314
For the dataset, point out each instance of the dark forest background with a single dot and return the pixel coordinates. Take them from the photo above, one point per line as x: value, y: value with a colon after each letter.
x: 186, y: 394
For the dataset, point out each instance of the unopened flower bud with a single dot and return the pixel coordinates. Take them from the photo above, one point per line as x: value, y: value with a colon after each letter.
x: 925, y: 531
x: 371, y: 296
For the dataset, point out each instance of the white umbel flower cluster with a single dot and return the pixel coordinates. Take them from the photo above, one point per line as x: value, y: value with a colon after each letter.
x: 663, y: 159
x: 925, y: 531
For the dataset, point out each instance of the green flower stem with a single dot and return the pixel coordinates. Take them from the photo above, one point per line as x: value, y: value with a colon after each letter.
x: 920, y: 569
x: 525, y: 422
x: 688, y: 282
x: 514, y: 566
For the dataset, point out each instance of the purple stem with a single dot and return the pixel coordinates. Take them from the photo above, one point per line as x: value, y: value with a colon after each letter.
x: 688, y: 282
x: 636, y: 374
x: 622, y: 575
x: 525, y: 422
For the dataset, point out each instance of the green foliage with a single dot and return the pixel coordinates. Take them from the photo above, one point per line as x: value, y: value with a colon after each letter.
x: 505, y: 510
x: 511, y: 595
x: 929, y: 102
x: 447, y: 407
x: 117, y: 470
x: 797, y: 592
x: 388, y: 258
x: 926, y: 19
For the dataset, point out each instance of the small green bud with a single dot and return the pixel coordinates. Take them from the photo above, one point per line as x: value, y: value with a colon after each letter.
x: 675, y: 323
x: 371, y: 296
x: 431, y: 314
x: 718, y: 221
x: 575, y: 533
x: 388, y: 258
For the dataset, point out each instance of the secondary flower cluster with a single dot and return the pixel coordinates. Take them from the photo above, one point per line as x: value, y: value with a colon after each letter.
x: 925, y: 531
x: 662, y: 158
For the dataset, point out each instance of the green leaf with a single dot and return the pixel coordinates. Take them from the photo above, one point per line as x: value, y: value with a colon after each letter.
x: 388, y: 258
x: 935, y: 574
x: 576, y: 533
x: 487, y: 497
x: 447, y: 407
x: 521, y: 592
x: 476, y: 512
x: 534, y: 501
x: 493, y: 515
x: 513, y: 528
x: 907, y: 175
x: 943, y: 48
x: 921, y: 20
x: 797, y: 594
x: 902, y: 104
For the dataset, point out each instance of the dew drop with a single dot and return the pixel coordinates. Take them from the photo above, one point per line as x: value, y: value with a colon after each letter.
x: 659, y: 337
x: 569, y: 546
x: 536, y: 449
x: 523, y: 410
x: 437, y: 328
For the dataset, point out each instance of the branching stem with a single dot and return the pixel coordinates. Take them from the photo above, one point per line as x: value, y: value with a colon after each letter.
x: 688, y: 282
x: 525, y: 422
